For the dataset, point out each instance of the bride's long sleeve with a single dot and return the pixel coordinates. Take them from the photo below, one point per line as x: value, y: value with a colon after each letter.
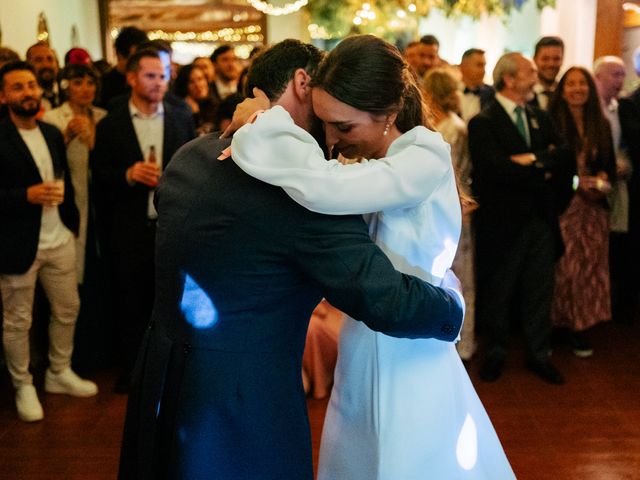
x: 275, y: 150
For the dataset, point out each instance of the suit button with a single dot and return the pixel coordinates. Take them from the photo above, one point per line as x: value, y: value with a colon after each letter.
x: 447, y: 328
x: 186, y: 348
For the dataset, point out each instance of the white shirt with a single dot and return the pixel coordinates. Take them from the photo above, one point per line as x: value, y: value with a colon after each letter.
x: 226, y: 88
x: 539, y: 92
x: 619, y: 197
x: 510, y: 107
x: 53, y: 232
x: 469, y: 104
x: 149, y: 132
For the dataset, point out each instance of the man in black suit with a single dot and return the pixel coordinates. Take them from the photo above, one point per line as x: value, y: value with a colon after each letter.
x: 38, y: 218
x: 548, y: 57
x: 227, y: 70
x: 240, y: 267
x: 114, y: 82
x: 609, y: 73
x: 476, y: 94
x: 517, y: 162
x: 134, y: 144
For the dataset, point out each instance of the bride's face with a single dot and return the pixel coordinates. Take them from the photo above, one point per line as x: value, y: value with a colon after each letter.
x: 349, y: 131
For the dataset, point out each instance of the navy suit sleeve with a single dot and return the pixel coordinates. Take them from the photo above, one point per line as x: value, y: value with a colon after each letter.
x: 356, y: 277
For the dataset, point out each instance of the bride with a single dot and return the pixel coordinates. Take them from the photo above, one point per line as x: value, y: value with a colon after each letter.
x: 400, y: 408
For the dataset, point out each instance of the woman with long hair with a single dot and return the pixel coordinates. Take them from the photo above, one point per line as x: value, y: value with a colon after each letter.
x: 400, y: 408
x: 582, y: 290
x: 76, y: 119
x: 191, y: 85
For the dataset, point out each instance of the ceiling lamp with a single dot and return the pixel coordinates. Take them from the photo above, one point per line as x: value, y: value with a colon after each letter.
x: 270, y: 9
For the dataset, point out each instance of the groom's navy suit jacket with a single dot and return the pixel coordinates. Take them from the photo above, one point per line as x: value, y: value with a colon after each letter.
x: 244, y: 262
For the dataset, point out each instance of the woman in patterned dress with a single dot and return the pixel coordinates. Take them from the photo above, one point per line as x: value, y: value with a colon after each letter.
x: 582, y: 291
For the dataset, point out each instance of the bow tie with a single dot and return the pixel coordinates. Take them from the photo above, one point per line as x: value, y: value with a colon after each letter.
x: 473, y: 91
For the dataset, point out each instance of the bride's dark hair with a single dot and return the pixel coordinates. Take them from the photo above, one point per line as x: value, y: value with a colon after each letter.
x: 370, y: 74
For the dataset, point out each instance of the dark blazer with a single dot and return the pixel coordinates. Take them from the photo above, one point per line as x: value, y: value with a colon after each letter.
x: 239, y: 269
x: 485, y: 93
x: 124, y: 206
x: 509, y: 193
x: 19, y: 219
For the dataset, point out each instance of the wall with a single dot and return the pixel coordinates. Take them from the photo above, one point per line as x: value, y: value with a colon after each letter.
x: 282, y: 27
x: 19, y: 22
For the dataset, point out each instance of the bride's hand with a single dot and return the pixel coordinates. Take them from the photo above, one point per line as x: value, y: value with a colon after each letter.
x: 245, y: 110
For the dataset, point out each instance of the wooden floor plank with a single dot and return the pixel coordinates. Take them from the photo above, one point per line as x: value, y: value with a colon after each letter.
x: 588, y: 429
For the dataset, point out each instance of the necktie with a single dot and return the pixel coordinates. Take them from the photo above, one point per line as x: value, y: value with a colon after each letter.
x: 520, y: 123
x: 474, y: 91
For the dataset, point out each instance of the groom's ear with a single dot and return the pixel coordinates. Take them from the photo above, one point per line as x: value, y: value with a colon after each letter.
x: 301, y: 83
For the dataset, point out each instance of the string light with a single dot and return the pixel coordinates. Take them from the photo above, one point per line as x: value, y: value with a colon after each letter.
x: 251, y: 33
x: 286, y: 9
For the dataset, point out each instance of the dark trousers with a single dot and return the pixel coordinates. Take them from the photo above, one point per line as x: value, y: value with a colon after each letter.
x: 134, y: 289
x: 622, y: 266
x: 520, y: 271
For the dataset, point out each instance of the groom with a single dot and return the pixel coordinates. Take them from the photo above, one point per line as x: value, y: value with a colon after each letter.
x: 240, y: 267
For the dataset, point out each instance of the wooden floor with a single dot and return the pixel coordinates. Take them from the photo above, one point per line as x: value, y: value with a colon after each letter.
x: 588, y: 429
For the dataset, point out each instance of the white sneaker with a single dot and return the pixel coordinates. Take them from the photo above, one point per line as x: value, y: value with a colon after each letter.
x: 28, y: 405
x: 67, y: 382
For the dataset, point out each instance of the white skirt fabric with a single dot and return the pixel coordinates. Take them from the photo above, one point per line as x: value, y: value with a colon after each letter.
x: 405, y: 409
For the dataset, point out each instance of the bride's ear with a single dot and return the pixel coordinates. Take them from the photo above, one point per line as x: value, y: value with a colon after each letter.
x: 301, y: 83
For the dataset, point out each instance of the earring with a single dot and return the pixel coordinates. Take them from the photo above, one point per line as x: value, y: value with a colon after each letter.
x: 386, y: 129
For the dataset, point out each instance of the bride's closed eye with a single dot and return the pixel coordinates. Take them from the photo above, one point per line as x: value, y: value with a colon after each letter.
x: 342, y: 128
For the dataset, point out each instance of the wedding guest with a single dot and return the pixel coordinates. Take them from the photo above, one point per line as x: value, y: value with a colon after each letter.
x: 227, y: 70
x: 134, y: 143
x: 582, y: 294
x: 321, y: 350
x: 40, y: 218
x: 476, y: 94
x: 515, y: 154
x: 206, y: 65
x: 76, y: 119
x: 45, y: 63
x: 114, y: 82
x: 609, y: 72
x: 191, y: 85
x: 7, y: 55
x: 548, y: 57
x: 443, y: 100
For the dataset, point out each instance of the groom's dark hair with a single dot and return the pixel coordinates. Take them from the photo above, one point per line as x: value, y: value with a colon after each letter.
x: 273, y: 69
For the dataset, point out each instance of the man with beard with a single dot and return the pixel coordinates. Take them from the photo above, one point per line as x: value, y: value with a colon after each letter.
x: 548, y: 57
x: 227, y: 70
x: 133, y: 145
x: 39, y: 219
x: 45, y: 64
x: 241, y: 266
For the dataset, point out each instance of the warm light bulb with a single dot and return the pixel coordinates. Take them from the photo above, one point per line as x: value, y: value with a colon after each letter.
x: 357, y: 21
x: 412, y: 7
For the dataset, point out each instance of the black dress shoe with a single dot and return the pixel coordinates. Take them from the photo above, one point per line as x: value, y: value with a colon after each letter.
x: 491, y: 369
x: 546, y: 371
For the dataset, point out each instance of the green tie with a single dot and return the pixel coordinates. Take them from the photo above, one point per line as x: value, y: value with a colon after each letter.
x: 520, y: 123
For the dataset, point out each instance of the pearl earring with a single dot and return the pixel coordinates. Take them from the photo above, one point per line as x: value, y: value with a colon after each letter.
x: 386, y: 129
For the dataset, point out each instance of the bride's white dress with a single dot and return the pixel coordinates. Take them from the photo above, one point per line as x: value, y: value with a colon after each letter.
x: 400, y: 409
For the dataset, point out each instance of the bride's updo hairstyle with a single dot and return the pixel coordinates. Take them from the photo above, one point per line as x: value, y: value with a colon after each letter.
x: 370, y: 74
